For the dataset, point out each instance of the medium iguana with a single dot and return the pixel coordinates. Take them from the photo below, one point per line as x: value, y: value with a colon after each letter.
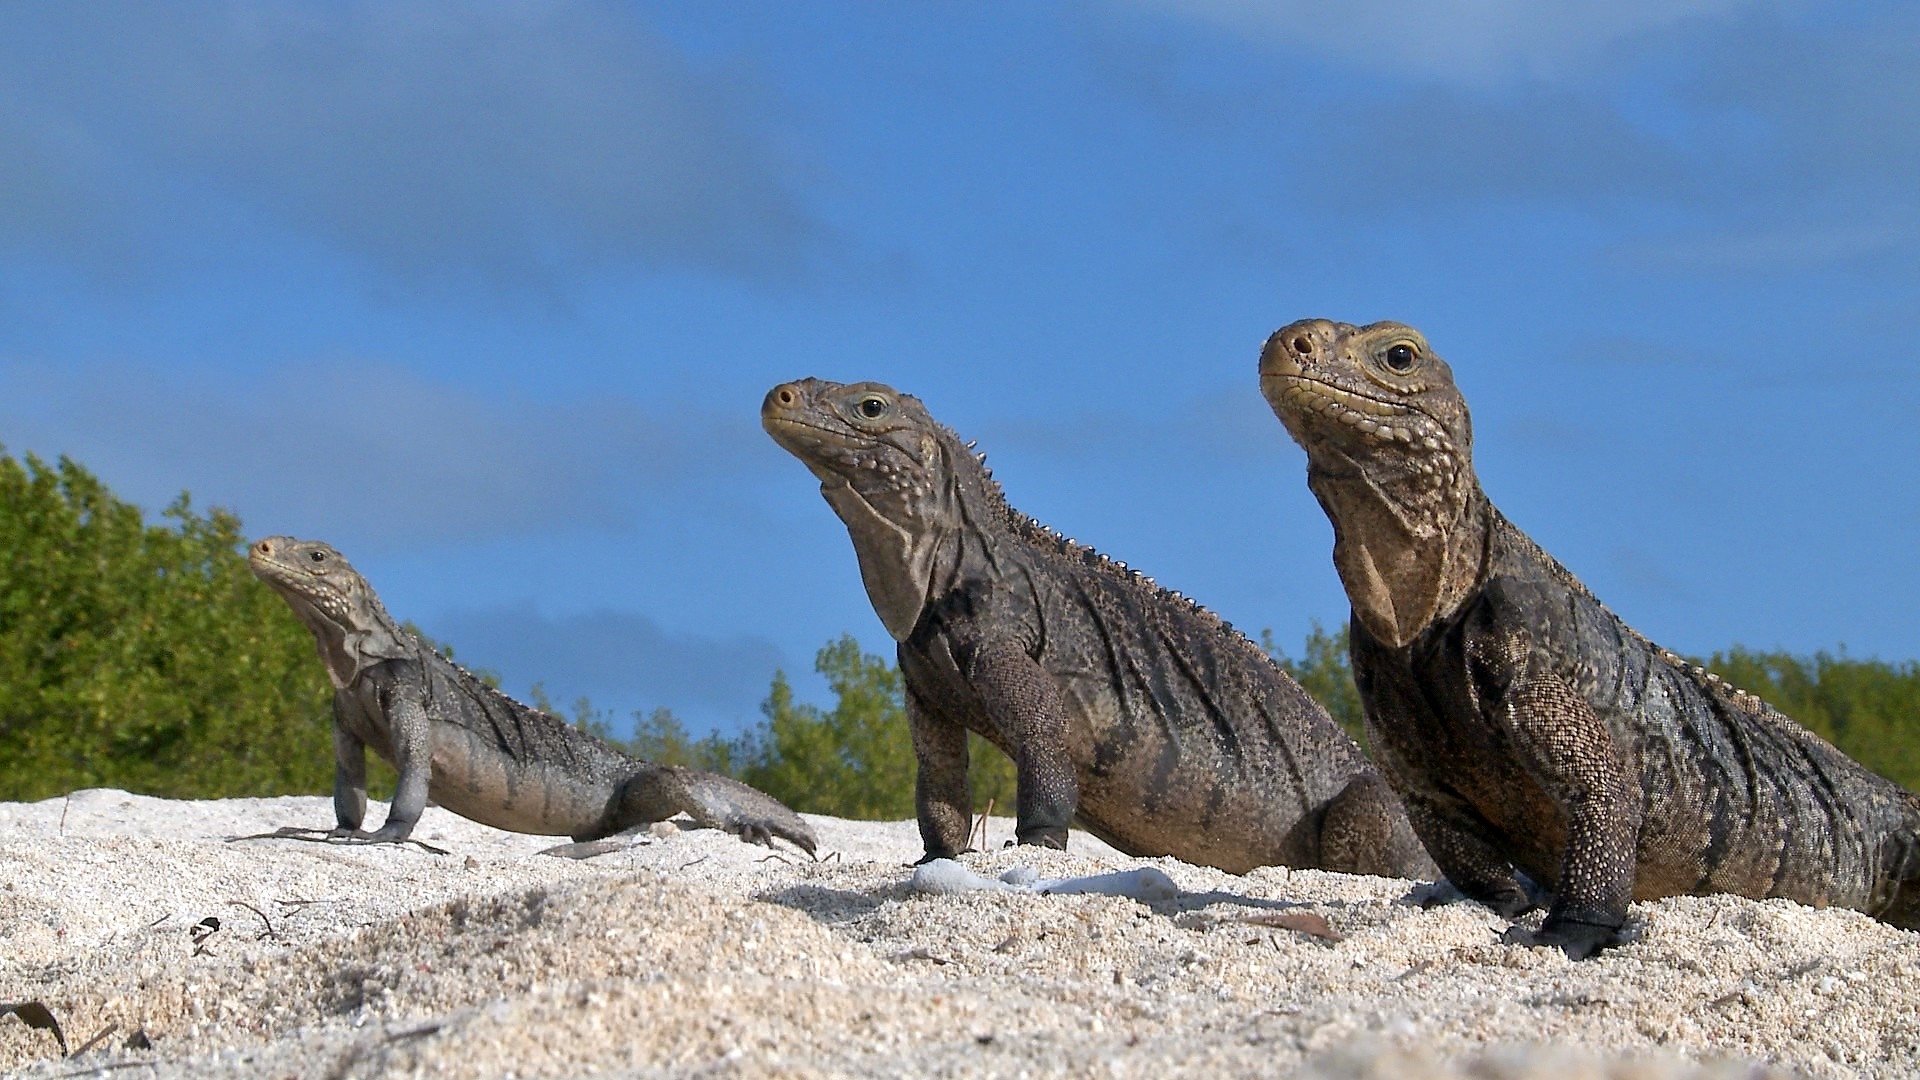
x: 476, y: 751
x: 1165, y: 730
x: 1526, y: 725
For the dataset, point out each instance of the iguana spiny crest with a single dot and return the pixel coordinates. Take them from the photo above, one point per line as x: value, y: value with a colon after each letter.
x: 905, y: 483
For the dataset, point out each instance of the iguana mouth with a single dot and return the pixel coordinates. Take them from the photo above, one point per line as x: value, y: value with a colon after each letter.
x: 279, y: 572
x: 822, y: 434
x: 1374, y: 418
x: 1307, y: 384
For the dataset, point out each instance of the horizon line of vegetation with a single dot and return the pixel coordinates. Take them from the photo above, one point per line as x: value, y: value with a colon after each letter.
x: 145, y: 656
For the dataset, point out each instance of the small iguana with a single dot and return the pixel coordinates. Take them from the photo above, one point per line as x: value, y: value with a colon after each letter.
x: 1164, y: 729
x: 1524, y: 724
x: 476, y: 751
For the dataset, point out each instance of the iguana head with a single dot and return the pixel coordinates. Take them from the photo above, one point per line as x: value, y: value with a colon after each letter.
x: 1389, y: 449
x: 888, y: 469
x: 350, y: 626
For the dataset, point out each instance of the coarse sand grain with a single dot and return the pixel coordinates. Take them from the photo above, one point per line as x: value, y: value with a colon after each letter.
x: 167, y: 950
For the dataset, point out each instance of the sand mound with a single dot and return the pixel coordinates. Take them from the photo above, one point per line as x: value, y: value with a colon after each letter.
x: 695, y: 953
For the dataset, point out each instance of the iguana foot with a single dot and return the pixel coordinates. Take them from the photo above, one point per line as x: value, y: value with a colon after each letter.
x: 1510, y: 905
x: 765, y: 830
x: 345, y: 833
x: 1432, y: 894
x: 587, y: 849
x: 385, y: 834
x: 1507, y: 902
x: 339, y: 836
x: 1579, y: 940
x: 721, y: 802
x: 292, y: 832
x: 342, y: 834
x: 1049, y: 836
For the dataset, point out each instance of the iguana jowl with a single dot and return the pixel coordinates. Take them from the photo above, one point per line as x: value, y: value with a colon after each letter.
x: 1162, y: 728
x: 476, y: 751
x: 1526, y: 725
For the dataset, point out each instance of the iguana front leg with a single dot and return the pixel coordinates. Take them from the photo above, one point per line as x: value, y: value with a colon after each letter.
x: 942, y: 798
x: 349, y: 779
x: 1454, y: 834
x: 1025, y: 701
x: 410, y: 732
x: 1570, y: 751
x: 1456, y: 839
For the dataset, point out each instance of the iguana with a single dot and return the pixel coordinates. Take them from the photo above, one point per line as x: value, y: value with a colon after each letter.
x: 1523, y: 722
x: 1162, y: 728
x: 476, y: 751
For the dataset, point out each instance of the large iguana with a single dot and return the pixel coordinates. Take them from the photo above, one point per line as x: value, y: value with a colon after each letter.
x: 476, y: 751
x: 1526, y: 725
x: 1166, y: 731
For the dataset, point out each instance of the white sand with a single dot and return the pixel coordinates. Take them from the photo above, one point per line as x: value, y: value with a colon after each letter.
x: 696, y: 954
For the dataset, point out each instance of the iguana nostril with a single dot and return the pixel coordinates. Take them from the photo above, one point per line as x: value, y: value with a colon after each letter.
x: 1302, y: 346
x: 785, y: 396
x: 264, y: 547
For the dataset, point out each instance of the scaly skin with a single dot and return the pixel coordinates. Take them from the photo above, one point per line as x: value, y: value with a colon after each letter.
x: 1163, y: 729
x: 1524, y: 724
x: 471, y: 748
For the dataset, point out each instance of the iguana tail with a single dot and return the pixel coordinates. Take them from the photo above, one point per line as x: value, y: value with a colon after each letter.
x: 1900, y: 873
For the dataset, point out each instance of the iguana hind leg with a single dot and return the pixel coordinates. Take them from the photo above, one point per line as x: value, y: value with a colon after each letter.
x: 658, y: 792
x: 1365, y: 831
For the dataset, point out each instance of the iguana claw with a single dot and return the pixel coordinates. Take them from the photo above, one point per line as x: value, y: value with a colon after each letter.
x: 1579, y: 940
x: 722, y: 802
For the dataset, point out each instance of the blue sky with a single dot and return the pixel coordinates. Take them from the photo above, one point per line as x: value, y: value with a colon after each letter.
x: 488, y: 295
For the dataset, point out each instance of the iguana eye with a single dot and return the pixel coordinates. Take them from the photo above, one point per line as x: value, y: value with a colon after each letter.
x: 1401, y: 357
x: 318, y: 556
x: 873, y: 407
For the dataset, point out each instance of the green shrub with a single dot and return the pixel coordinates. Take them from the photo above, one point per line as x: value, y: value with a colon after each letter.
x: 145, y: 656
x: 854, y: 760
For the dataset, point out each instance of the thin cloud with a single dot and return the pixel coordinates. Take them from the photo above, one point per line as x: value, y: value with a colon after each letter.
x: 1770, y: 246
x: 1445, y: 148
x: 494, y: 142
x: 367, y: 454
x: 620, y: 660
x: 1823, y: 107
x: 1225, y: 424
x: 1459, y: 42
x: 1720, y: 137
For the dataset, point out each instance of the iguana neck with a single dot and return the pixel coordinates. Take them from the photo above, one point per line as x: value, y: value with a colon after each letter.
x: 959, y: 530
x: 1410, y: 544
x: 349, y: 648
